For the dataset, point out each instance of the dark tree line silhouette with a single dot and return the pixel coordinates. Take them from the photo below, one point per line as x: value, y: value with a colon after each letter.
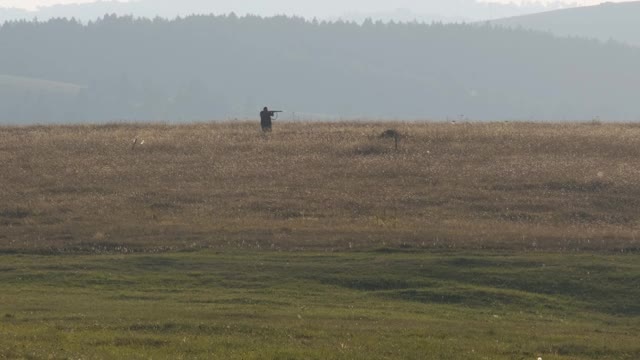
x: 217, y: 67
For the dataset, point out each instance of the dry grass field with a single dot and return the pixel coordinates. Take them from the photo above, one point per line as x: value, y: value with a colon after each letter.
x: 320, y: 241
x: 327, y: 187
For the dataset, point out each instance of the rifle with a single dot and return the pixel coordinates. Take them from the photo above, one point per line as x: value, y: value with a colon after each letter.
x: 275, y: 113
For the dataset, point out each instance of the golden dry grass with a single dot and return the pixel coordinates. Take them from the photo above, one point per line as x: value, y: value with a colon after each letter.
x: 326, y: 186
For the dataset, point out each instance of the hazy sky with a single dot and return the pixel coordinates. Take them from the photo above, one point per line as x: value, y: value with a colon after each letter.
x: 32, y: 4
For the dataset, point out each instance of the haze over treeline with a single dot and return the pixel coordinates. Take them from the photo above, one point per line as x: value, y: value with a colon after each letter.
x: 220, y: 67
x: 439, y: 10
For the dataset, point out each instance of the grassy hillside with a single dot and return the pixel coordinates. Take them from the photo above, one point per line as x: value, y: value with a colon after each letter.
x: 316, y: 186
x: 21, y: 85
x: 34, y: 100
x: 615, y: 21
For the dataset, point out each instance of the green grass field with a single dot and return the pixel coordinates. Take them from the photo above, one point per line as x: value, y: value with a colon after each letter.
x: 214, y: 241
x: 362, y: 305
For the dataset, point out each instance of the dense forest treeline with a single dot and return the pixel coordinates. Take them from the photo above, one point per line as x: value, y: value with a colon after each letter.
x: 427, y: 11
x: 219, y: 67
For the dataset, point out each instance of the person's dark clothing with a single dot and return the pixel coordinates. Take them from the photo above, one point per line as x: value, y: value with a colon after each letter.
x: 265, y: 120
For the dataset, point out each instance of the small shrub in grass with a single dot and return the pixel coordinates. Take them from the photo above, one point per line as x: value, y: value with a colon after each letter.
x: 392, y: 134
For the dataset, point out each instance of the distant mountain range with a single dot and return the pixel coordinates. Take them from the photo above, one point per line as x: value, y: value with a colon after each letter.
x: 448, y: 11
x: 433, y: 10
x: 616, y: 21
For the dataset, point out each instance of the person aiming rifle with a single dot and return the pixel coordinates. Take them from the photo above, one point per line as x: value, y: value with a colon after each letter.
x: 266, y: 116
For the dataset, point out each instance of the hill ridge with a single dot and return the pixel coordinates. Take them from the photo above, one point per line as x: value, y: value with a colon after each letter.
x: 606, y: 21
x: 221, y: 67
